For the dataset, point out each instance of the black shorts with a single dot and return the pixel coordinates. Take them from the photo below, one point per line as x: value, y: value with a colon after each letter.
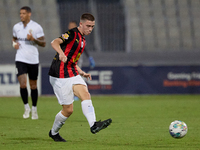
x: 30, y: 69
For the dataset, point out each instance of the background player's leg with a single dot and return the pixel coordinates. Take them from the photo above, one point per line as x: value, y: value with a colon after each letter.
x: 34, y: 92
x: 24, y: 94
x: 23, y: 87
x: 34, y: 97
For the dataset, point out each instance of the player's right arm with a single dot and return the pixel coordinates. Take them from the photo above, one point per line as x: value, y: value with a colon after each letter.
x: 15, y: 43
x: 56, y: 46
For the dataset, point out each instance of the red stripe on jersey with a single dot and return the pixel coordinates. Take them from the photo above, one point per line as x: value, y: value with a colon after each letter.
x: 73, y: 65
x: 70, y: 72
x: 66, y: 52
x: 82, y: 39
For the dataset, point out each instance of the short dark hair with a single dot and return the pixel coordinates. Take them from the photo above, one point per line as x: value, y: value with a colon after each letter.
x: 28, y: 9
x: 87, y: 16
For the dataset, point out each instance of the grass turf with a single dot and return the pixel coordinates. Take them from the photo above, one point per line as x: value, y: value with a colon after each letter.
x: 139, y: 122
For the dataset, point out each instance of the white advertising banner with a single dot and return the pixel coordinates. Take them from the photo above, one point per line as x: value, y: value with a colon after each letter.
x: 9, y: 85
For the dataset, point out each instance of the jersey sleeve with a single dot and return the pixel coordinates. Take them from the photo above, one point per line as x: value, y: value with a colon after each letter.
x: 67, y: 36
x: 14, y: 32
x: 39, y: 32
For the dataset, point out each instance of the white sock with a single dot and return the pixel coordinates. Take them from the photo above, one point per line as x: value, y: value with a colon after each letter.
x: 34, y: 108
x: 88, y: 111
x: 26, y: 106
x: 58, y: 123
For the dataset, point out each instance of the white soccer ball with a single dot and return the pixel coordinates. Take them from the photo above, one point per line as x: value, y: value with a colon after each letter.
x: 178, y: 129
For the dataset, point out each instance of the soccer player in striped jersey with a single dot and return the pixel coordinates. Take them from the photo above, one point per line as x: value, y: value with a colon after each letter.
x: 65, y: 77
x: 71, y: 25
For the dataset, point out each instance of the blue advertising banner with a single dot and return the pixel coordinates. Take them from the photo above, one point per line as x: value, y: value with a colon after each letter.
x: 9, y: 85
x: 138, y: 80
x: 46, y: 86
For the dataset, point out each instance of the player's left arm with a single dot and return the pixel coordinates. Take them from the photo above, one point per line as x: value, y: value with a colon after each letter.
x: 39, y: 41
x: 83, y: 74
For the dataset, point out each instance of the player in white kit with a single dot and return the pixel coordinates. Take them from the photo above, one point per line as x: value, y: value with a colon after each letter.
x: 27, y: 35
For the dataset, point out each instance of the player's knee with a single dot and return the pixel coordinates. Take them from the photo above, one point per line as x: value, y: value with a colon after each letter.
x: 23, y: 85
x: 69, y: 112
x: 33, y: 86
x: 86, y: 95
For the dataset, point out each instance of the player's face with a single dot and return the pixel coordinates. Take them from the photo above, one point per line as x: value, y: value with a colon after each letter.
x: 24, y: 15
x: 87, y: 27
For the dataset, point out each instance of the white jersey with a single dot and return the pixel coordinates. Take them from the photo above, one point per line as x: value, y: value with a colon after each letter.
x: 28, y: 51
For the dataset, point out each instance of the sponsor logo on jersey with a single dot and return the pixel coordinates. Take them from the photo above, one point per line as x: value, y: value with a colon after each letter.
x: 26, y: 41
x: 30, y: 31
x: 65, y: 36
x: 22, y: 39
x: 77, y: 57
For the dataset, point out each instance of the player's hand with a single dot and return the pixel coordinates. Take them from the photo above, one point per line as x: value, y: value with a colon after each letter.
x: 86, y: 75
x: 30, y: 37
x: 62, y: 58
x: 16, y: 46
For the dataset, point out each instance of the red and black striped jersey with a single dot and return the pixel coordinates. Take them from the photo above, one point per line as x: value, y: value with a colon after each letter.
x: 72, y: 46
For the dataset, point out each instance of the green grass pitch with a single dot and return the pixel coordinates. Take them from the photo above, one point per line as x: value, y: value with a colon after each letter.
x: 139, y: 122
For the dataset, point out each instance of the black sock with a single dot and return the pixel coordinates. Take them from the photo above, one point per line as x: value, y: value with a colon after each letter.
x: 34, y: 96
x: 24, y: 95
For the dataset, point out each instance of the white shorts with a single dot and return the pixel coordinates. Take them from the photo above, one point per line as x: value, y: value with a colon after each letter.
x: 63, y: 88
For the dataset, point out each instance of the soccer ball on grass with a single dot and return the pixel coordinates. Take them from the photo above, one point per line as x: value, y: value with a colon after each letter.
x: 178, y: 129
